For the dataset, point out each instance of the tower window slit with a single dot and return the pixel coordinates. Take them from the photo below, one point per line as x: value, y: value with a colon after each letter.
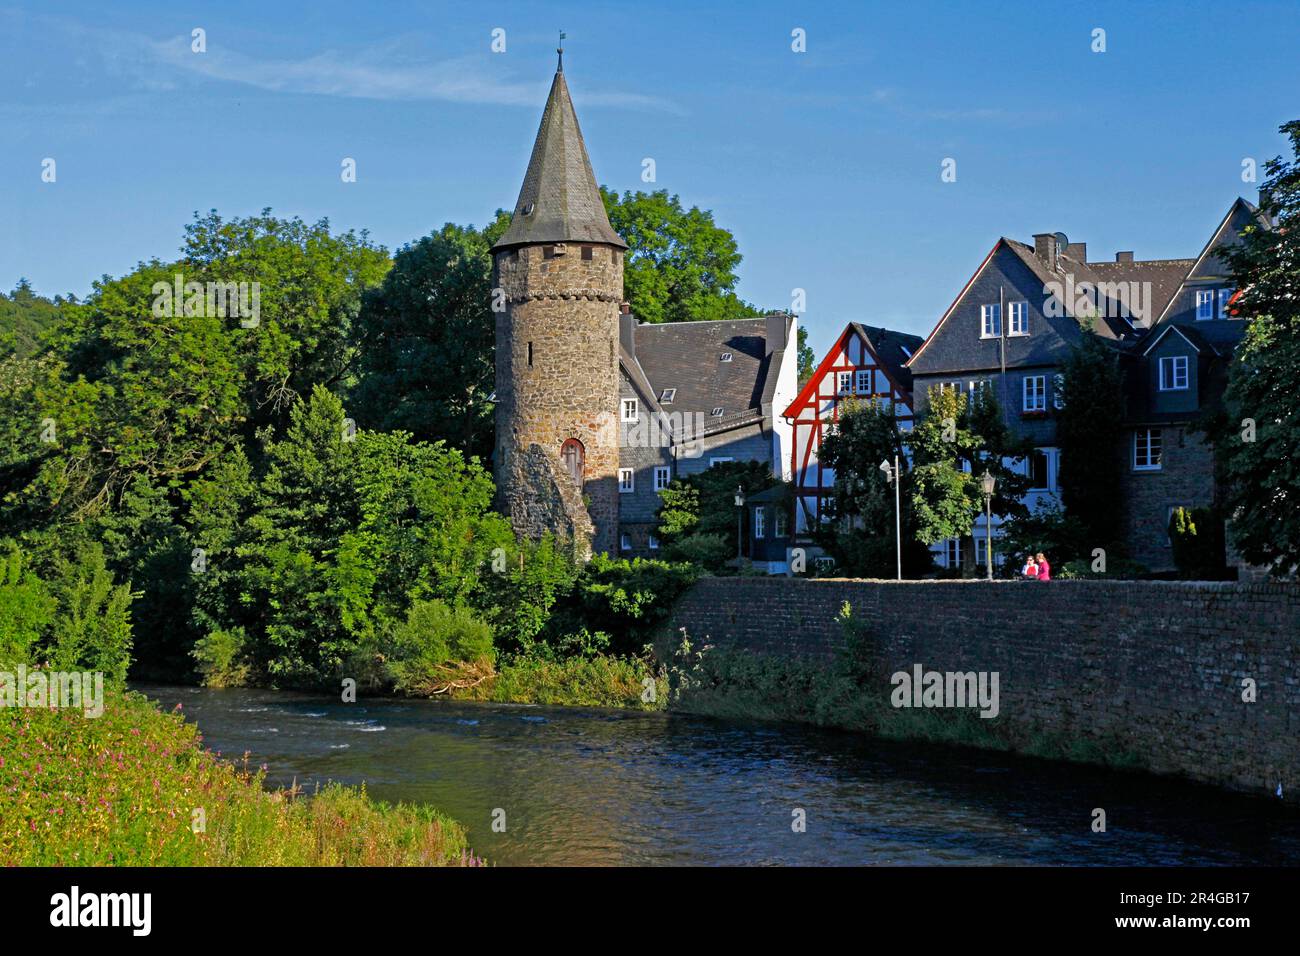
x: 530, y: 354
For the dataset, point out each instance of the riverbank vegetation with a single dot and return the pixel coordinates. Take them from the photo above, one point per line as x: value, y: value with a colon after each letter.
x: 280, y: 484
x: 135, y: 787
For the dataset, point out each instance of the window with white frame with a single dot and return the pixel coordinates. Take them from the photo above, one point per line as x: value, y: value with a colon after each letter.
x: 629, y: 409
x: 980, y: 387
x: 662, y: 477
x: 1224, y: 296
x: 864, y: 381
x: 1173, y: 373
x: 1035, y: 393
x: 981, y: 549
x: 1018, y: 318
x: 990, y: 321
x: 668, y: 396
x: 1058, y: 392
x: 1147, y: 448
x: 952, y: 553
x: 844, y: 382
x: 760, y: 522
x: 626, y: 481
x: 625, y: 542
x: 653, y: 543
x: 781, y: 524
x: 1204, y: 305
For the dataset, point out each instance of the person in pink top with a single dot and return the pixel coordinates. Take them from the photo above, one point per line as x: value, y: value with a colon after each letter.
x: 1044, y: 569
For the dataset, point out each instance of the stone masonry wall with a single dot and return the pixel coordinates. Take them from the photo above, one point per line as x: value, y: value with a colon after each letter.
x: 1152, y: 667
x: 557, y: 377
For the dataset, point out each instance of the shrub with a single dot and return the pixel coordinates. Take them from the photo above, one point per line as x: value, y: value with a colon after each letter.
x: 221, y: 659
x: 65, y: 611
x: 439, y: 647
x: 627, y: 599
x: 1196, y: 537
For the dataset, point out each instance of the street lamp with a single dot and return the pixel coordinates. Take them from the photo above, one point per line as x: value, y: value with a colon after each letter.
x: 740, y: 523
x: 987, y: 484
x: 891, y: 474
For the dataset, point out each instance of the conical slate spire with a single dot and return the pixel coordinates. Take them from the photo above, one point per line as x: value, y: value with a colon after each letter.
x: 559, y: 201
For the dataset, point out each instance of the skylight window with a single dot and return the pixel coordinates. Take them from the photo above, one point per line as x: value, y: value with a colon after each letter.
x: 668, y: 395
x: 717, y: 412
x: 726, y: 357
x: 907, y: 353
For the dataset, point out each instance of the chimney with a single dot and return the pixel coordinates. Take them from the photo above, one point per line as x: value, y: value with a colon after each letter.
x: 627, y: 328
x: 1265, y: 198
x: 778, y: 324
x: 1123, y: 257
x: 1078, y: 251
x: 1045, y: 248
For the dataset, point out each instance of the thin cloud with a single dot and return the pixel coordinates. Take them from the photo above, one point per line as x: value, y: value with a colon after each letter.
x: 377, y: 73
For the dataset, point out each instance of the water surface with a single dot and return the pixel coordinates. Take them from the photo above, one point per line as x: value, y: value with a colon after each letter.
x: 592, y: 786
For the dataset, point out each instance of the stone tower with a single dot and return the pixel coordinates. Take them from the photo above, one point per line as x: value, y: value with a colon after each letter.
x: 558, y: 271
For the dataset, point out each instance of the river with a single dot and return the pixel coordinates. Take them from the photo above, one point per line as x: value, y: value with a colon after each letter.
x: 590, y: 786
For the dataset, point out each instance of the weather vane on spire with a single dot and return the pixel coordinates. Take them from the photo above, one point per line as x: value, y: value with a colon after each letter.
x: 560, y: 50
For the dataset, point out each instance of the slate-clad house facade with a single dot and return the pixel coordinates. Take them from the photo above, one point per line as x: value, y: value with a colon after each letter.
x: 700, y: 393
x: 1012, y: 326
x: 595, y: 412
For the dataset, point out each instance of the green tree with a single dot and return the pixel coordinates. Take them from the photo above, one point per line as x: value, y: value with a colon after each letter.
x: 425, y: 340
x: 318, y: 563
x: 1257, y: 439
x: 1088, y: 430
x: 952, y: 445
x: 680, y: 265
x: 700, y: 509
x: 807, y: 358
x: 860, y: 531
x: 25, y: 317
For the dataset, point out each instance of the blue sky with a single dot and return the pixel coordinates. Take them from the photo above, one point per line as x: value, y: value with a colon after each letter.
x: 825, y: 164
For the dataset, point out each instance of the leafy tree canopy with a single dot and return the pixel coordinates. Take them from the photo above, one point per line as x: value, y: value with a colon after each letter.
x: 680, y: 265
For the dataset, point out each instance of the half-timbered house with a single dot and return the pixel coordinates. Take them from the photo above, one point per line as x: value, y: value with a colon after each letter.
x: 866, y: 363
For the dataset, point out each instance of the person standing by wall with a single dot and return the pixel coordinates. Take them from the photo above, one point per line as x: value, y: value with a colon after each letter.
x: 1044, y: 569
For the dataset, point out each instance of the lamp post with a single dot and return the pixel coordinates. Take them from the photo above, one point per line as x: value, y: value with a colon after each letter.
x: 891, y: 474
x: 987, y: 484
x: 740, y: 524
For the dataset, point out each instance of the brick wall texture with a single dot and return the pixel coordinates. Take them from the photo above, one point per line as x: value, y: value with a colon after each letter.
x: 1153, y: 667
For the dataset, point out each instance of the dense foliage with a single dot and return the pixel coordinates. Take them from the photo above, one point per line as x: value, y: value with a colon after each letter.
x: 1258, y: 437
x: 1088, y: 430
x: 680, y: 265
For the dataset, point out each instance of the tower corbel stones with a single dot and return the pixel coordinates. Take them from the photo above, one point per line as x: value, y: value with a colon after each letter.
x: 559, y: 269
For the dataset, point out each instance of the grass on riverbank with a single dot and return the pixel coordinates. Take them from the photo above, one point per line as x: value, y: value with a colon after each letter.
x: 574, y: 682
x: 130, y: 788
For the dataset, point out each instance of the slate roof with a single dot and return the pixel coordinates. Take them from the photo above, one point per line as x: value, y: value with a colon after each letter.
x: 687, y: 356
x: 893, y: 349
x: 1165, y: 276
x: 559, y: 200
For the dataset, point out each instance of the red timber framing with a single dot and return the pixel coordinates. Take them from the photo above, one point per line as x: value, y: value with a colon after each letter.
x: 817, y: 408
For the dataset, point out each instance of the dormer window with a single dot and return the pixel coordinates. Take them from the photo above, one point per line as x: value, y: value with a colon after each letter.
x: 528, y: 209
x: 717, y: 412
x: 726, y: 357
x: 1225, y: 296
x: 1173, y: 373
x: 1204, y: 305
x: 667, y: 396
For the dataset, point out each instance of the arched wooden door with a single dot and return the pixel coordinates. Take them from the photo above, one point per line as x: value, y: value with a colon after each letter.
x: 574, y: 456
